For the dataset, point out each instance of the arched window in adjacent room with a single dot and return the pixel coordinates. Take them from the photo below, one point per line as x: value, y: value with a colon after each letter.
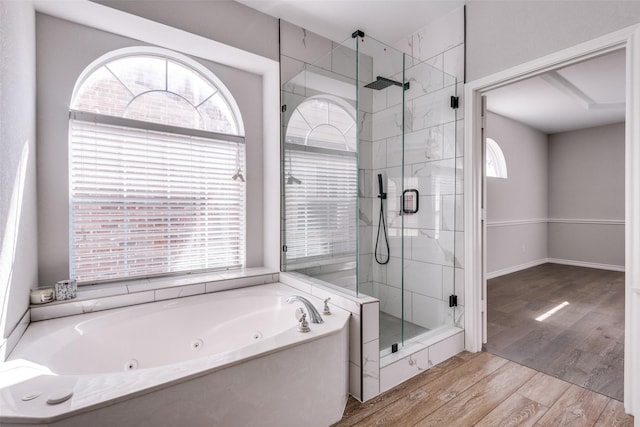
x: 496, y: 165
x: 156, y: 162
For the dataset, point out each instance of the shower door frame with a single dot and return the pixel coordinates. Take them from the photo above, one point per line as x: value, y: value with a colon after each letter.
x: 448, y: 316
x: 475, y: 283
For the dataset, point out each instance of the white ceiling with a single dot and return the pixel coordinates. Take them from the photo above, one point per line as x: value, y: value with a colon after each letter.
x: 385, y: 20
x: 583, y: 95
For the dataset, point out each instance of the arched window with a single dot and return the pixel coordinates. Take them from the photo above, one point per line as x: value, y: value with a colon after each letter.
x: 496, y: 165
x: 156, y: 169
x: 321, y: 179
x: 323, y: 122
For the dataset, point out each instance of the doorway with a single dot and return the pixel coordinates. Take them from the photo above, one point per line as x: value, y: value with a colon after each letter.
x: 554, y: 186
x: 475, y: 267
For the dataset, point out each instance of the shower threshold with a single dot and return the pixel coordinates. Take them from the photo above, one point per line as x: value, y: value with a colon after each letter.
x: 391, y: 330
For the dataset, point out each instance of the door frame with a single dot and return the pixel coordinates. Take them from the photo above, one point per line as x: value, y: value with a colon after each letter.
x: 474, y: 274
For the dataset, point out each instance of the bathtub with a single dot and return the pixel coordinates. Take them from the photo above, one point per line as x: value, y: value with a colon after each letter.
x: 232, y: 358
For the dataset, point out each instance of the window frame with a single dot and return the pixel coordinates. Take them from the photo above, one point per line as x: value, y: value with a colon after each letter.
x: 92, y: 117
x: 494, y: 153
x: 165, y: 53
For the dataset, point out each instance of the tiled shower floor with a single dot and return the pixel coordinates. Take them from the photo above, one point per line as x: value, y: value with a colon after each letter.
x: 391, y: 330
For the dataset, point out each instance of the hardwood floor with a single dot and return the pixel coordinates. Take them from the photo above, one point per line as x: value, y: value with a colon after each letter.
x: 485, y: 390
x: 582, y: 342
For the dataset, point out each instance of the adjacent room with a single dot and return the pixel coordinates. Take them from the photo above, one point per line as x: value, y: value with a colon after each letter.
x: 555, y: 223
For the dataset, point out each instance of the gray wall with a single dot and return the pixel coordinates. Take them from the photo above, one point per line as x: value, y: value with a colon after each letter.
x: 563, y: 200
x: 586, y: 173
x: 502, y: 34
x: 18, y: 228
x: 225, y: 21
x: 586, y: 185
x: 58, y: 70
x: 517, y: 206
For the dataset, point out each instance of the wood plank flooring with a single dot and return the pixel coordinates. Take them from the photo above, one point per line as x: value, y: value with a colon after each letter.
x: 485, y: 390
x: 582, y: 343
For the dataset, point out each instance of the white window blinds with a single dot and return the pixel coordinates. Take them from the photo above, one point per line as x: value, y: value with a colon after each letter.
x: 320, y: 202
x: 151, y: 202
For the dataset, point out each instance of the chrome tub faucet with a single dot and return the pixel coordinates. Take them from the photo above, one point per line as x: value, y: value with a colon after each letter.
x: 313, y: 313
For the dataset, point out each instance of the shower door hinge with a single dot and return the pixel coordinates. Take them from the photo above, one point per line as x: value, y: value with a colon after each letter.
x: 455, y: 102
x: 283, y: 108
x: 284, y: 248
x: 453, y: 300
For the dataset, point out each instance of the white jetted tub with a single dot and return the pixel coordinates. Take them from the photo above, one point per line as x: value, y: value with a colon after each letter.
x: 232, y: 358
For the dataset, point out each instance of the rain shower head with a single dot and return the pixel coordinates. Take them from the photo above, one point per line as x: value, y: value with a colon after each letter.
x: 383, y: 83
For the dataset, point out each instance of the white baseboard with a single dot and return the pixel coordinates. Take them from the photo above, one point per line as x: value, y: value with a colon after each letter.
x: 509, y: 270
x: 586, y: 264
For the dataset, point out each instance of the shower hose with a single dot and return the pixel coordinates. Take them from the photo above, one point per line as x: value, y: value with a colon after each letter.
x: 383, y: 225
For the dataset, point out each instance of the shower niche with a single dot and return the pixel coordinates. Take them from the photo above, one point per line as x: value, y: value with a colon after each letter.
x: 372, y: 186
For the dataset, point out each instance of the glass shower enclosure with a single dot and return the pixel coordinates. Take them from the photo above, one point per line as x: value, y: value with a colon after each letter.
x: 372, y: 192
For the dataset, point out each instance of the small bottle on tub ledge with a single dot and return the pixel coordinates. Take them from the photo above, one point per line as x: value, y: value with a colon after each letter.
x: 66, y: 289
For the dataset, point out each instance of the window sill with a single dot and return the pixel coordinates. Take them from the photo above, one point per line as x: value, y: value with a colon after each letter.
x: 93, y: 298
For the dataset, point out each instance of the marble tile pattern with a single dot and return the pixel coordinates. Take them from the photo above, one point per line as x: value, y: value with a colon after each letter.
x: 432, y: 156
x: 370, y: 369
x: 418, y: 358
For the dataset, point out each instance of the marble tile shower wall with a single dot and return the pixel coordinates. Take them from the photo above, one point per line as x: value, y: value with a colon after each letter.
x: 433, y: 157
x: 302, y: 50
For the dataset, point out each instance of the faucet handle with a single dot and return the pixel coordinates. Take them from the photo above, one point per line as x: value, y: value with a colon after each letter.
x: 326, y: 309
x: 303, y: 326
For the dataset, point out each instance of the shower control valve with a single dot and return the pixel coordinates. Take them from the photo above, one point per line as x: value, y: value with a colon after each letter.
x: 326, y: 309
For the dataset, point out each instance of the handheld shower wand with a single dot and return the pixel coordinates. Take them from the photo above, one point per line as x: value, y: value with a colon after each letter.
x: 381, y: 193
x: 381, y: 224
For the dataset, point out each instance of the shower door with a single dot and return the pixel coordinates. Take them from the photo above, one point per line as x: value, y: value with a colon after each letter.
x: 381, y: 105
x: 430, y: 203
x: 408, y: 192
